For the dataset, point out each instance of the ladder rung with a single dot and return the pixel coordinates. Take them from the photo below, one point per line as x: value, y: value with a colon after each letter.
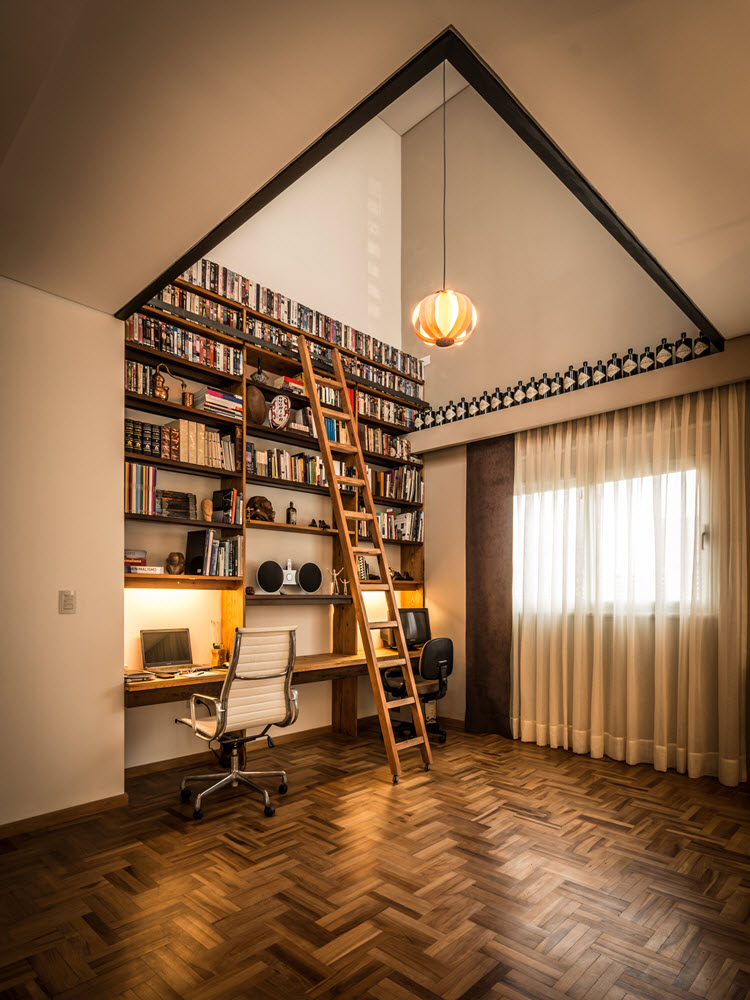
x: 385, y: 664
x: 331, y: 383
x: 357, y: 515
x: 405, y: 744
x: 399, y: 703
x: 349, y: 449
x: 350, y: 480
x: 335, y: 414
x: 367, y: 552
x: 375, y: 625
x: 373, y: 586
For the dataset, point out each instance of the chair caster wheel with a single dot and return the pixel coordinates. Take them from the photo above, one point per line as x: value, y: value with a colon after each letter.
x: 269, y: 810
x: 442, y: 739
x: 185, y: 794
x: 283, y: 789
x: 197, y: 814
x: 395, y: 779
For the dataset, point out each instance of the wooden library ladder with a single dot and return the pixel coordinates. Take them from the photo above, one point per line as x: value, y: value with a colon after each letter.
x: 347, y: 523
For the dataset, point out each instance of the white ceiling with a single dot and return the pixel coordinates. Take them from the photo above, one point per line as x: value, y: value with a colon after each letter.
x: 130, y: 130
x: 423, y: 98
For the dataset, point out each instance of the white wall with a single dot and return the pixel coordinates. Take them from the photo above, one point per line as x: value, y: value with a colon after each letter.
x: 61, y: 455
x: 550, y: 285
x: 333, y: 239
x: 333, y: 242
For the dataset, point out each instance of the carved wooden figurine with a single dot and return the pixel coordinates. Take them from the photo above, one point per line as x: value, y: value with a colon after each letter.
x: 260, y: 509
x: 207, y: 509
x: 175, y: 563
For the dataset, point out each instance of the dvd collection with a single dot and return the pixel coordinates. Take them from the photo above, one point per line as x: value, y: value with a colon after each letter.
x: 629, y: 364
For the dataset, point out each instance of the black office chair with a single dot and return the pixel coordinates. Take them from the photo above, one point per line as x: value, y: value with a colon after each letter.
x: 435, y: 667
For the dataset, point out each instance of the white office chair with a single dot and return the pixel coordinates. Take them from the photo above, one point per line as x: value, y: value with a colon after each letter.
x: 256, y: 695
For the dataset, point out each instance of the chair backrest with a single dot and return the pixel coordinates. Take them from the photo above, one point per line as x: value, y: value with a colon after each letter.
x: 257, y: 689
x: 436, y: 662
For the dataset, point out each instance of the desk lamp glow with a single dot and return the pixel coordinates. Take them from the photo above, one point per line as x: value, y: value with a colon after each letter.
x: 445, y: 318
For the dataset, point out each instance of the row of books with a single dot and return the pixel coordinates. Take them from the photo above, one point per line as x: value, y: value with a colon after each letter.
x: 199, y: 305
x: 227, y: 504
x: 385, y: 409
x: 139, y: 378
x: 404, y: 527
x: 182, y: 441
x: 223, y: 404
x: 375, y: 439
x: 276, y: 463
x: 232, y: 285
x: 208, y: 555
x: 185, y: 344
x: 140, y: 488
x: 397, y: 484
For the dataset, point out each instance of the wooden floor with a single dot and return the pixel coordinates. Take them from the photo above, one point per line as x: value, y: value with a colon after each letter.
x: 507, y: 871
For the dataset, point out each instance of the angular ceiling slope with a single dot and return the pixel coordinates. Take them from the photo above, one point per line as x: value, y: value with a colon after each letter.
x: 156, y: 120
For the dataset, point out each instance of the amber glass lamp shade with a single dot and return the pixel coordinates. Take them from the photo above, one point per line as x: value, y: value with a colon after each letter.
x: 445, y: 318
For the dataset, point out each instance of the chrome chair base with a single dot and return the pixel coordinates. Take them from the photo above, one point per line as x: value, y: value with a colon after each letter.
x: 234, y: 778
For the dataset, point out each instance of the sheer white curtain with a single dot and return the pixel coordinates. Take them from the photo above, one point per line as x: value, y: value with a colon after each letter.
x: 630, y: 585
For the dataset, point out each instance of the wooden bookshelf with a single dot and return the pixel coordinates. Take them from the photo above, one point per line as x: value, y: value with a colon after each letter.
x: 237, y: 608
x: 162, y: 580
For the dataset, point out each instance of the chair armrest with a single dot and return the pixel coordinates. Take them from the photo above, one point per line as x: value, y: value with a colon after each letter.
x: 207, y: 700
x: 294, y: 706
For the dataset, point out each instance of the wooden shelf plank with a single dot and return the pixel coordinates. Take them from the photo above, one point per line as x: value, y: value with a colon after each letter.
x: 183, y: 580
x: 149, y: 404
x: 177, y: 316
x: 408, y: 584
x: 190, y: 522
x: 296, y: 599
x: 305, y: 529
x: 181, y: 366
x: 185, y: 467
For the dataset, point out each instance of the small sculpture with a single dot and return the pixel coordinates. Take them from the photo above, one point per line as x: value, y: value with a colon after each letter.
x: 260, y: 376
x: 160, y: 389
x: 249, y: 591
x: 260, y: 509
x: 207, y: 509
x: 335, y: 574
x: 175, y: 563
x: 313, y: 523
x: 322, y: 524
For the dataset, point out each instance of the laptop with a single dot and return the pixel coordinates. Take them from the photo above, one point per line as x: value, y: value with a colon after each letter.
x: 167, y: 651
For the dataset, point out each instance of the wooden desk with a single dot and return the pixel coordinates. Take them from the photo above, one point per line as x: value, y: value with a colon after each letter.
x: 343, y: 670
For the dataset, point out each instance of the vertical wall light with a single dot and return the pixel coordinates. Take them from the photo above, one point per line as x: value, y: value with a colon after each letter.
x: 445, y: 318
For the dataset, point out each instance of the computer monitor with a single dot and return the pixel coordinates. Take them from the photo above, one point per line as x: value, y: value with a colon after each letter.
x: 165, y: 648
x: 416, y: 625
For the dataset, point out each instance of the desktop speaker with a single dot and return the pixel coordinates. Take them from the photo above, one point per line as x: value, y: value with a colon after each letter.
x: 270, y: 577
x: 309, y: 578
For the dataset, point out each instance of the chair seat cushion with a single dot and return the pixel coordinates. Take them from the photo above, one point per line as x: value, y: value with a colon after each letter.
x: 205, y: 725
x: 427, y: 687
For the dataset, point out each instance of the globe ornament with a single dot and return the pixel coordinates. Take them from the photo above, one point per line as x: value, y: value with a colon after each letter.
x: 445, y: 318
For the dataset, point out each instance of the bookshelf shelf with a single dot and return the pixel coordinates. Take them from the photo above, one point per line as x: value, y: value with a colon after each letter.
x: 183, y: 521
x: 297, y: 599
x: 149, y: 404
x: 184, y: 467
x: 289, y: 484
x: 301, y: 529
x: 408, y: 584
x: 198, y: 324
x: 184, y: 580
x: 181, y: 366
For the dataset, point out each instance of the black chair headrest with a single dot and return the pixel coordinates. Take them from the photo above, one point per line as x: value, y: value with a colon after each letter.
x: 435, y: 652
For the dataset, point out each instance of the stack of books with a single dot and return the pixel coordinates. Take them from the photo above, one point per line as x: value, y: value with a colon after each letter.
x: 171, y: 503
x: 140, y: 489
x: 224, y: 404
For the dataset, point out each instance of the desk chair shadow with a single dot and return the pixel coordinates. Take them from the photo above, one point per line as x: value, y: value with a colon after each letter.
x: 256, y: 695
x: 435, y: 666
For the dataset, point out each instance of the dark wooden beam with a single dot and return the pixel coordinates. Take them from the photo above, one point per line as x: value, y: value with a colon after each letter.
x: 450, y: 46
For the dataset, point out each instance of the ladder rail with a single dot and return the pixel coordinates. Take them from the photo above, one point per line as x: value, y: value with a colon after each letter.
x: 346, y: 523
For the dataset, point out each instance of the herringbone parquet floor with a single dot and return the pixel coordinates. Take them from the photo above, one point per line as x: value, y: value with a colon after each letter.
x: 508, y: 871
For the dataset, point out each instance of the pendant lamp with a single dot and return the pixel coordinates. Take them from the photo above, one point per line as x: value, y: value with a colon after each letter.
x: 445, y: 318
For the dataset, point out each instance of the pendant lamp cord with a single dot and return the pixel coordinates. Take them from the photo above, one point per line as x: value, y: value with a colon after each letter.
x: 443, y: 174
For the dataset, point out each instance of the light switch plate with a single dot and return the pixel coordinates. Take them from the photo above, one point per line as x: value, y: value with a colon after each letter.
x: 67, y: 602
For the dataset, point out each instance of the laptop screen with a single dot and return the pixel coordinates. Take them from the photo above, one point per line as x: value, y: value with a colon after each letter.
x: 165, y: 647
